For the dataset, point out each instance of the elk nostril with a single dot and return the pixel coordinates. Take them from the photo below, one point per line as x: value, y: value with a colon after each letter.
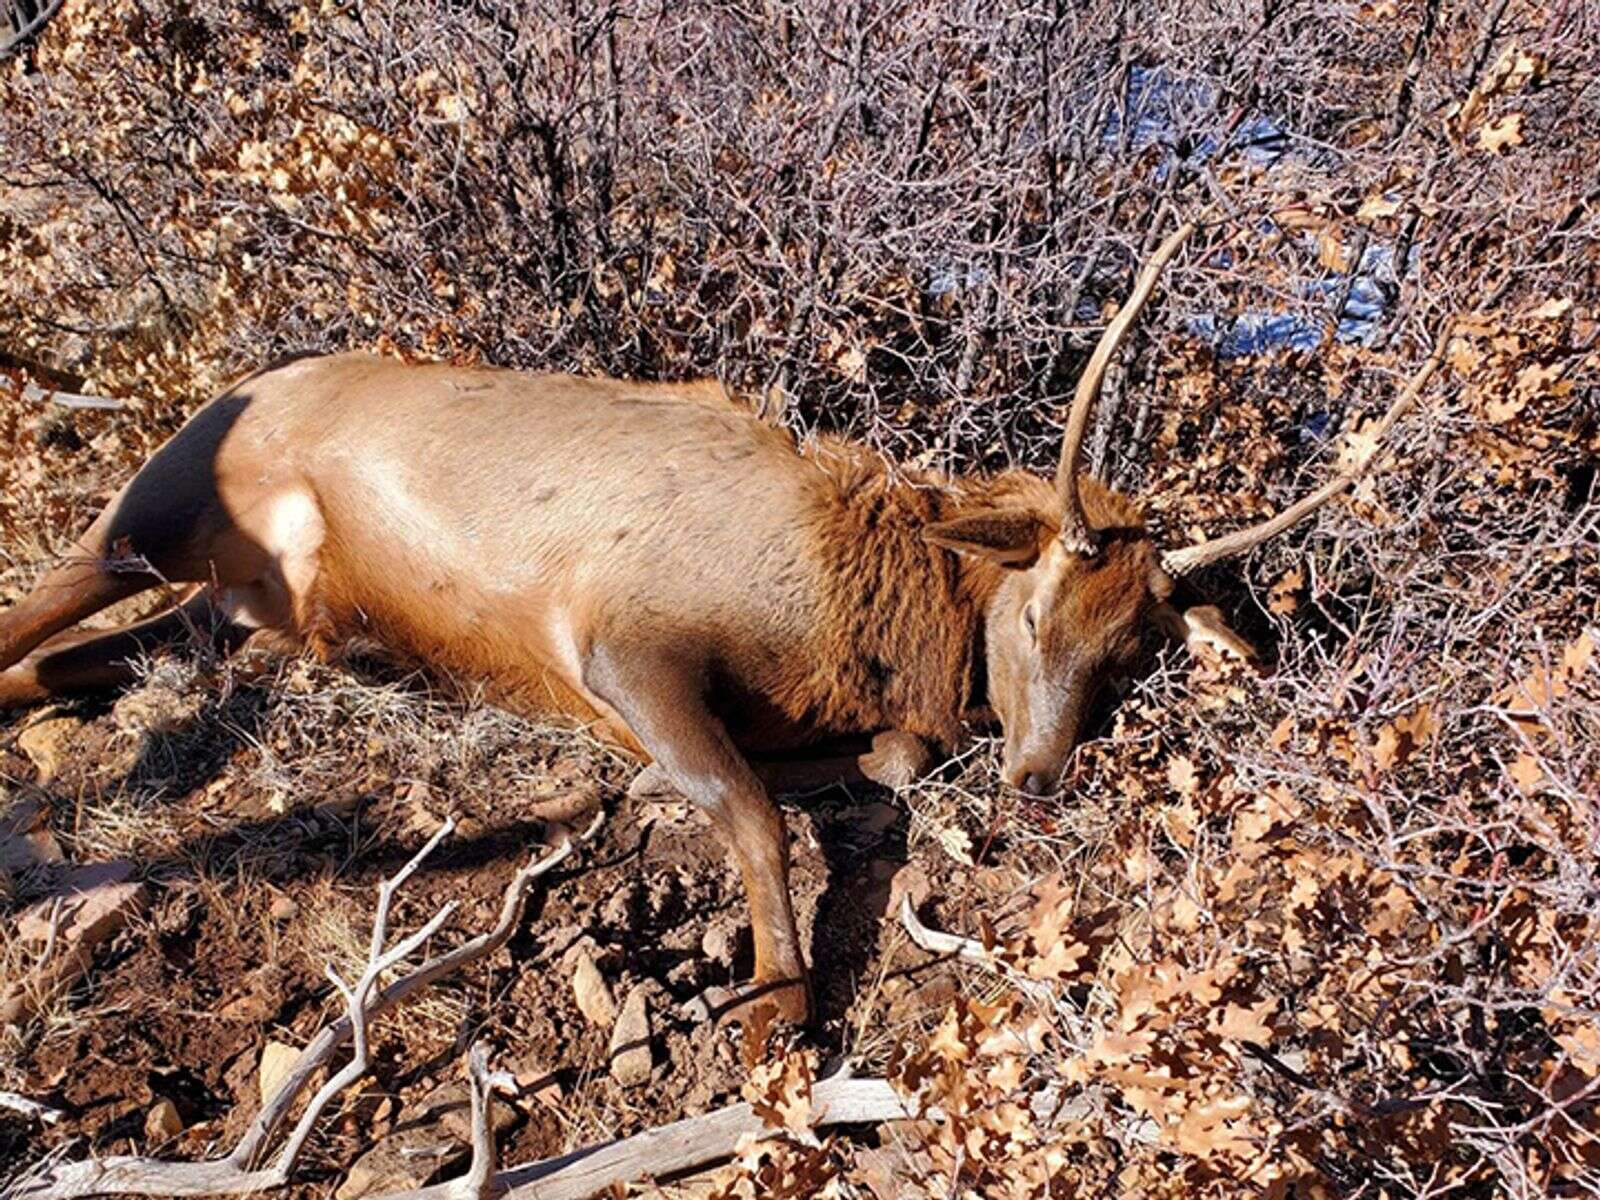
x: 1038, y: 783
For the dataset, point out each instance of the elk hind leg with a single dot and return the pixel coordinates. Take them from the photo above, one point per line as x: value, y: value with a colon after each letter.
x: 94, y: 659
x: 64, y: 596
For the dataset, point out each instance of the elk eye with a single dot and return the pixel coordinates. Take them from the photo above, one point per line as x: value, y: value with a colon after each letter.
x: 1030, y: 622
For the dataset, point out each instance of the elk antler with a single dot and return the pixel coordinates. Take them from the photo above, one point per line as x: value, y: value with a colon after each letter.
x: 1180, y: 562
x: 1074, y: 528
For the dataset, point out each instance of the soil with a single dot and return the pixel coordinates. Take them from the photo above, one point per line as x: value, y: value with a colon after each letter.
x: 252, y: 894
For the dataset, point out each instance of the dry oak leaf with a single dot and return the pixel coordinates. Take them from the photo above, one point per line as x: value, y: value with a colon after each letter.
x: 779, y: 1090
x: 1245, y: 1024
x: 1211, y: 1129
x: 1527, y: 774
x: 1281, y: 599
x: 1183, y: 777
x: 1501, y: 133
x: 1527, y: 699
x: 1550, y: 310
x: 1516, y: 69
x: 1399, y: 740
x: 1359, y: 446
x: 1376, y: 206
x: 1112, y: 1047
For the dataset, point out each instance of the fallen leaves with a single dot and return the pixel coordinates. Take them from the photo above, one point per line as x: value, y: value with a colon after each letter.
x: 1502, y: 133
x: 1516, y: 70
x: 1398, y: 740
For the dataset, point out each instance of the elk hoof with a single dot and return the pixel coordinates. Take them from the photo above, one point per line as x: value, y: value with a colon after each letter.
x: 651, y: 783
x: 787, y: 1001
x: 896, y: 760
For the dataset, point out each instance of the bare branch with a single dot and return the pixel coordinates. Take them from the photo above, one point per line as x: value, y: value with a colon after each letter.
x: 673, y: 1149
x: 38, y: 395
x: 236, y: 1173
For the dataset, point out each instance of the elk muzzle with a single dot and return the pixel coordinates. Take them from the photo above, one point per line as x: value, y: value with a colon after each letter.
x: 1038, y: 746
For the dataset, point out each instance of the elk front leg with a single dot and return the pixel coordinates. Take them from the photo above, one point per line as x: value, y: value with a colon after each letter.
x: 663, y: 703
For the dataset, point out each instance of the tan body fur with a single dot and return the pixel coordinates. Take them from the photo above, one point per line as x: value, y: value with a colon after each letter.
x: 650, y: 560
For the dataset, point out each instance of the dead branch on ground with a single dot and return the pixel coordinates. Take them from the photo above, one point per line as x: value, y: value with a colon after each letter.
x: 238, y: 1173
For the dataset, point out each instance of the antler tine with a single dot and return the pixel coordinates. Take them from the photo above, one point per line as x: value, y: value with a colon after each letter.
x: 1190, y: 558
x: 1074, y: 528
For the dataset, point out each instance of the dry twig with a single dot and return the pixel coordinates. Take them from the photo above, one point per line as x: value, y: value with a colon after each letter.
x: 238, y: 1173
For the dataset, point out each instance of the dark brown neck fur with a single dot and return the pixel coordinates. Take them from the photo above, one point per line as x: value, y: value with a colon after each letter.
x: 899, y: 637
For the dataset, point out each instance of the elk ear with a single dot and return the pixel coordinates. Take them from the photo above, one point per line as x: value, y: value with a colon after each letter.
x: 1202, y: 625
x: 1012, y: 536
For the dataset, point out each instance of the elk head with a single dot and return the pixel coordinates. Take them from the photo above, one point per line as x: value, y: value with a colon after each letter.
x: 1083, y: 577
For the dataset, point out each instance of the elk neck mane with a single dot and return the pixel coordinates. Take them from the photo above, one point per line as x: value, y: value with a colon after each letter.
x: 900, y: 639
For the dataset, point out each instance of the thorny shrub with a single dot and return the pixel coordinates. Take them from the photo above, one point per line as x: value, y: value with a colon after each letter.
x: 1329, y: 931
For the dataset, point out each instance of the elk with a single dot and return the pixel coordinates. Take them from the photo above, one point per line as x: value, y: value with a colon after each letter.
x: 649, y: 560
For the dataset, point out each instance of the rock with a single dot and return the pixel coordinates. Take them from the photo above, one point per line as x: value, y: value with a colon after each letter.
x: 47, y: 743
x: 450, y: 1107
x: 162, y: 1123
x: 651, y: 783
x: 721, y: 942
x: 25, y: 838
x: 631, y: 1057
x: 592, y: 992
x: 276, y: 1060
x: 535, y: 1078
x: 90, y: 905
x: 283, y: 909
x: 402, y: 1162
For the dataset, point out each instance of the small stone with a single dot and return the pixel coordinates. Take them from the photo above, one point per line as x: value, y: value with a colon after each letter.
x: 277, y: 1058
x: 592, y: 992
x: 535, y: 1078
x: 451, y: 1107
x: 25, y: 838
x: 47, y: 743
x: 162, y: 1123
x: 631, y: 1057
x: 651, y: 783
x: 91, y: 904
x: 721, y: 943
x: 399, y: 1163
x: 283, y: 909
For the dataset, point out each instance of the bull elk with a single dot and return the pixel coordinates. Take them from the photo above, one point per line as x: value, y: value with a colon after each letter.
x: 647, y: 559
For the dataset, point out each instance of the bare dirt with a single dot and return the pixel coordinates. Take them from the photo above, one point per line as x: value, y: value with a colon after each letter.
x: 262, y: 807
